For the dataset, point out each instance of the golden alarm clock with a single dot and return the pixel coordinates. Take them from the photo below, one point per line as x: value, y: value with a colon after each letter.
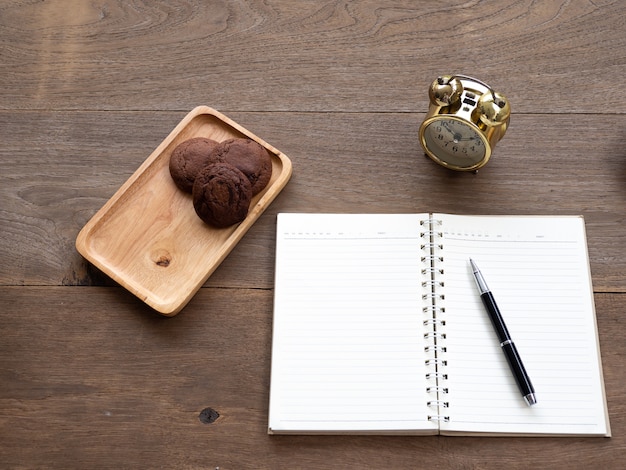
x: 465, y: 120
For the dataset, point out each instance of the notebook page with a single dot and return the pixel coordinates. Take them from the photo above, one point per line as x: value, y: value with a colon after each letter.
x: 538, y: 271
x: 347, y: 352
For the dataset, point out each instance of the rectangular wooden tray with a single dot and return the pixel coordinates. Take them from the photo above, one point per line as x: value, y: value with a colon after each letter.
x: 148, y: 238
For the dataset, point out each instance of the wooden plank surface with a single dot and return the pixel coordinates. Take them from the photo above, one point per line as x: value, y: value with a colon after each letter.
x: 92, y: 378
x: 343, y: 162
x: 308, y: 55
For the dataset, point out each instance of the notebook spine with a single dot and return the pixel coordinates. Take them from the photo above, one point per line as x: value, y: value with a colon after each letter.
x: 434, y: 319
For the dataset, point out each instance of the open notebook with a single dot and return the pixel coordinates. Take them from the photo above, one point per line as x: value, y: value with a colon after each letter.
x: 379, y: 327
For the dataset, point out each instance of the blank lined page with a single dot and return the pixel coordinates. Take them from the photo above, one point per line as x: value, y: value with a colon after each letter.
x: 348, y: 352
x: 538, y: 271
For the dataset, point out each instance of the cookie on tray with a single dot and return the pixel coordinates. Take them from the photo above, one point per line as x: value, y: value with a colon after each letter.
x: 222, y: 195
x: 189, y: 158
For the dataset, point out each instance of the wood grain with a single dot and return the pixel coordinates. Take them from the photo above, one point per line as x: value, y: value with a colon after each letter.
x: 92, y: 378
x: 352, y: 162
x: 85, y: 371
x: 366, y: 56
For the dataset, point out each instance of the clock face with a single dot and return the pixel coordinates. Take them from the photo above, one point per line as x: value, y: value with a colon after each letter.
x: 454, y: 142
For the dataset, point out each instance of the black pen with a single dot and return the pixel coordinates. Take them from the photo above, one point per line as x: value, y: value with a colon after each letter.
x: 508, y: 347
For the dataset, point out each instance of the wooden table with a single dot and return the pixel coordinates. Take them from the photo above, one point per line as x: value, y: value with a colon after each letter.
x: 90, y: 377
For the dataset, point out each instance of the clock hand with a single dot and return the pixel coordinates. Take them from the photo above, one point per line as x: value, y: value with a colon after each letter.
x: 446, y: 126
x: 474, y: 138
x: 456, y: 136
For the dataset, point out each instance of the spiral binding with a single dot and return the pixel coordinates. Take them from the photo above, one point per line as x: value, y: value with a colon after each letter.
x: 432, y: 362
x: 438, y: 418
x: 434, y: 335
x: 430, y: 244
x: 443, y: 404
x: 434, y: 313
x: 434, y: 310
x: 436, y: 375
x: 431, y: 295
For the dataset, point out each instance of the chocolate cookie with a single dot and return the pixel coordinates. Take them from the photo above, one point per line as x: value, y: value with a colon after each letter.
x: 188, y: 158
x: 250, y: 158
x: 221, y: 195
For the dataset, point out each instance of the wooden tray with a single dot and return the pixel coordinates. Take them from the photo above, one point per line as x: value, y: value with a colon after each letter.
x: 148, y: 238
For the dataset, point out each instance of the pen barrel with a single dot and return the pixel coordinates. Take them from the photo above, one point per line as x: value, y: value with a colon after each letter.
x: 515, y: 363
x: 495, y: 317
x: 508, y: 347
